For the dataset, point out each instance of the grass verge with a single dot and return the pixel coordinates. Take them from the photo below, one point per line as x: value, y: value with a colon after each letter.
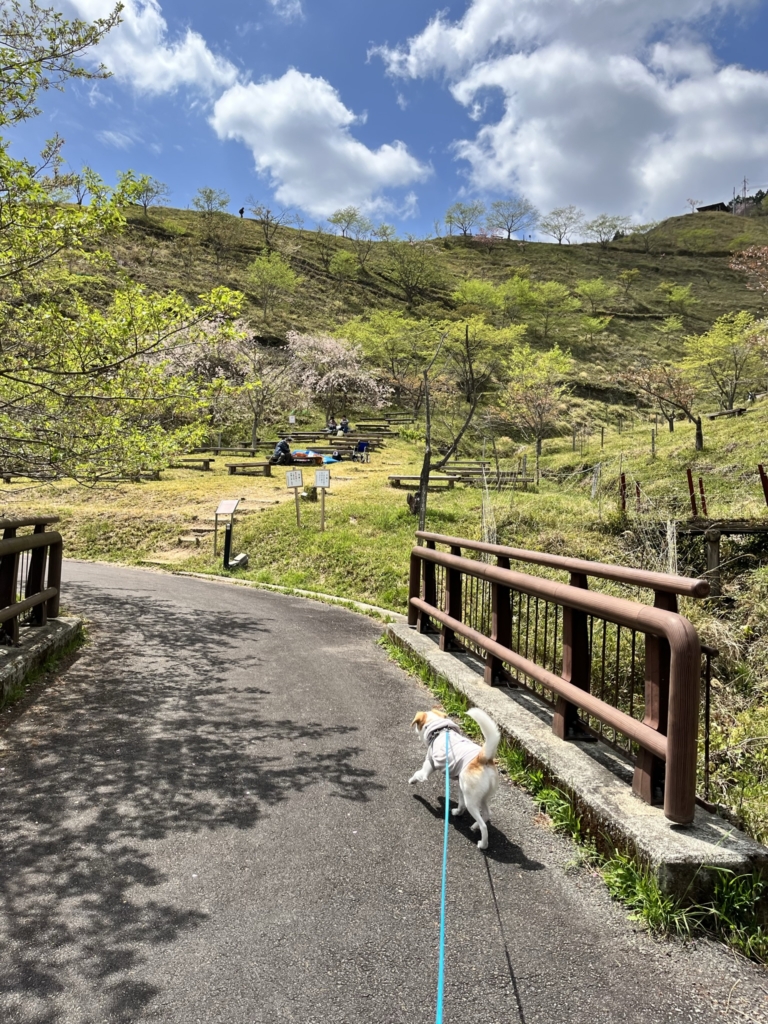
x: 35, y: 676
x: 733, y: 914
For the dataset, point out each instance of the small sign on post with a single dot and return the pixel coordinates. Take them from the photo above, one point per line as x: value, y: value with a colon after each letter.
x: 291, y: 419
x: 294, y: 479
x: 322, y: 480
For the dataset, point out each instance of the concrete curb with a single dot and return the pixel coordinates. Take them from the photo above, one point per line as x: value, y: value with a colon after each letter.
x: 598, y: 780
x: 37, y: 644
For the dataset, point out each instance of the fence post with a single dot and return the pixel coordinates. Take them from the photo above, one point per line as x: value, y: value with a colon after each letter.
x: 35, y: 583
x: 453, y: 603
x: 576, y: 667
x: 55, y: 557
x: 501, y: 626
x: 414, y: 587
x: 649, y: 777
x: 692, y: 493
x: 9, y: 569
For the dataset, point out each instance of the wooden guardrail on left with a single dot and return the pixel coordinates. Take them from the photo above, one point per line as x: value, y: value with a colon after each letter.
x: 30, y: 574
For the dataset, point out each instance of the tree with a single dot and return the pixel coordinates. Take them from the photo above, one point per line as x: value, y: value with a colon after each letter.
x: 217, y: 226
x: 693, y: 203
x: 270, y: 221
x: 678, y: 297
x: 550, y: 306
x: 398, y: 347
x: 595, y: 294
x: 478, y: 293
x: 533, y: 396
x: 510, y: 215
x: 413, y: 266
x: 363, y: 239
x: 331, y: 373
x: 644, y: 234
x: 143, y: 190
x: 271, y: 279
x: 670, y: 388
x: 604, y: 229
x: 726, y: 359
x: 753, y: 261
x: 343, y: 266
x: 345, y: 219
x: 325, y: 246
x: 628, y: 278
x: 562, y: 223
x: 465, y: 215
x: 39, y: 50
x: 82, y: 390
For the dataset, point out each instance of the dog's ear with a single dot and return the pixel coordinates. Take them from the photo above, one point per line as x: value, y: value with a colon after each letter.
x: 439, y: 712
x: 419, y: 721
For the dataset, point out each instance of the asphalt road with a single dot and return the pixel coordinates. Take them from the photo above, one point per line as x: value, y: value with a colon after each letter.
x: 206, y: 818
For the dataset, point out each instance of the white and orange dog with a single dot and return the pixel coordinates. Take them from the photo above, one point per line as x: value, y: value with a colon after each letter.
x: 471, y: 764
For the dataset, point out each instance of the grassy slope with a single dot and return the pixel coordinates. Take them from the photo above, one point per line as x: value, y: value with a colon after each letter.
x: 165, y: 251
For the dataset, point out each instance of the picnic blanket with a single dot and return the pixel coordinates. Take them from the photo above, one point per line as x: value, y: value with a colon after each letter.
x: 310, y: 458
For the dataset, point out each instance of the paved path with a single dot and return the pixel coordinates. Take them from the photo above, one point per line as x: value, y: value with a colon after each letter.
x: 206, y: 819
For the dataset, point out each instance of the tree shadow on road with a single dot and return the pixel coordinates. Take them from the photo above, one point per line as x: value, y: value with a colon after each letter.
x: 499, y: 847
x: 158, y: 729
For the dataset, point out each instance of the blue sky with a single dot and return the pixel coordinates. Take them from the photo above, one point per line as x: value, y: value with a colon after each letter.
x: 401, y: 108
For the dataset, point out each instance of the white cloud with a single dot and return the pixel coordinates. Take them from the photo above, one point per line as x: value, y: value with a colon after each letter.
x: 614, y: 105
x: 289, y: 10
x: 120, y: 140
x: 299, y: 132
x: 141, y: 52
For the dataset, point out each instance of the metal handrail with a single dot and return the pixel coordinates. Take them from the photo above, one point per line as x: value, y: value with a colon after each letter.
x: 678, y: 748
x: 657, y: 581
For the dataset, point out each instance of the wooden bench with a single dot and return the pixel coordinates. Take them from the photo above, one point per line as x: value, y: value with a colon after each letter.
x: 397, y: 480
x: 726, y: 412
x: 249, y: 468
x: 202, y: 464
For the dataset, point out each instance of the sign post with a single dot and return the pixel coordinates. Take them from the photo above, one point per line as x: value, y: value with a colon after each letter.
x: 294, y: 479
x: 322, y: 480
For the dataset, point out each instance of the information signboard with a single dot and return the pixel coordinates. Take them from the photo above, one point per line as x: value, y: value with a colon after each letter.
x: 322, y: 478
x: 293, y: 478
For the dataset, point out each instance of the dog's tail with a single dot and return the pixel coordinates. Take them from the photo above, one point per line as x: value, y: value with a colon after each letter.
x: 491, y: 734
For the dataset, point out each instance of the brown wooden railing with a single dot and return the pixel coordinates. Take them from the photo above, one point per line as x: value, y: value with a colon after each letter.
x: 30, y: 574
x: 615, y: 668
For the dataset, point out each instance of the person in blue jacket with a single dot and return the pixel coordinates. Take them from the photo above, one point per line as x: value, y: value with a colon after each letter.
x: 281, y: 456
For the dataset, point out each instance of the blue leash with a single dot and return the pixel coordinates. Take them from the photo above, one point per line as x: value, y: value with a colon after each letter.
x: 441, y: 967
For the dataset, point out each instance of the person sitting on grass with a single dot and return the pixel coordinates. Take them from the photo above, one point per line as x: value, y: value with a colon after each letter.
x: 281, y: 456
x: 331, y: 426
x: 344, y: 425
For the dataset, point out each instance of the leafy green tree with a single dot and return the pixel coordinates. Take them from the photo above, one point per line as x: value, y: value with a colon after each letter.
x: 536, y: 387
x: 627, y: 279
x: 465, y: 215
x: 345, y: 219
x: 727, y: 359
x: 398, y: 347
x: 550, y: 308
x: 343, y: 266
x: 670, y: 387
x: 510, y: 215
x: 218, y: 227
x: 595, y: 294
x: 413, y: 266
x: 678, y: 297
x: 84, y: 391
x: 604, y: 228
x: 271, y: 279
x: 478, y: 293
x: 562, y: 223
x: 143, y: 190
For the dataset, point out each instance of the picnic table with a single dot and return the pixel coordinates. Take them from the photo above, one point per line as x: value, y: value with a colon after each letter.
x: 449, y: 479
x: 249, y: 468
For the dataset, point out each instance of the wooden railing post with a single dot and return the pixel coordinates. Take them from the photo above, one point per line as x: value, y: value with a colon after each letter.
x: 36, y: 583
x: 650, y: 771
x: 414, y: 586
x: 501, y: 626
x: 430, y: 589
x: 9, y: 574
x: 55, y: 558
x: 576, y: 668
x: 453, y: 602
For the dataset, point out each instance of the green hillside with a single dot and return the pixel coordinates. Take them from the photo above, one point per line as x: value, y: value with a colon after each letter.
x: 168, y: 250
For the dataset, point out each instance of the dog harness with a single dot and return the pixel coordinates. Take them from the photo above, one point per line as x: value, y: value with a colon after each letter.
x: 461, y: 750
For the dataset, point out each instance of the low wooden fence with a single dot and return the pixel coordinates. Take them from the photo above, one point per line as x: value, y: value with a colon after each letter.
x: 615, y: 668
x: 30, y: 574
